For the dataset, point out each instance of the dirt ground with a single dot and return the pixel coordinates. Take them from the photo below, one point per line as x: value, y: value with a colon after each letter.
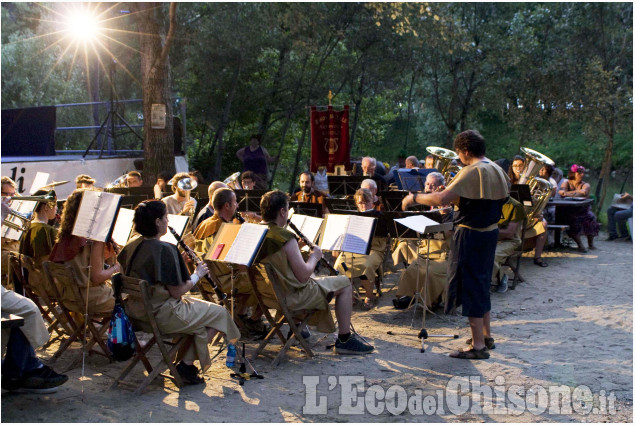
x: 569, y: 325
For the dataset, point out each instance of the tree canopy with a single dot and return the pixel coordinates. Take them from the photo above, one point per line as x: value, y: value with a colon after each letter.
x: 556, y: 77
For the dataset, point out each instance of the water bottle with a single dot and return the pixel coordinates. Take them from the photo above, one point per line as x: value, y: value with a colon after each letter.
x: 231, y: 355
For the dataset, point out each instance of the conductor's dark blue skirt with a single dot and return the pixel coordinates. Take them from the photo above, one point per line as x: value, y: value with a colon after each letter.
x: 470, y: 271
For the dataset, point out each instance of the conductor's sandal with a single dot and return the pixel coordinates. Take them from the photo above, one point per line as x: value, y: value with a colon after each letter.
x: 489, y: 342
x: 471, y: 354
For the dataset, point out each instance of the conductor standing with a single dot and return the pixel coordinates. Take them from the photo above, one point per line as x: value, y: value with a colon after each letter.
x: 479, y: 190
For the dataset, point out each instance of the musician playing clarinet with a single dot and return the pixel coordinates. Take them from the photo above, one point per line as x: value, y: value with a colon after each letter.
x: 159, y: 263
x: 225, y: 205
x: 280, y: 249
x: 479, y: 190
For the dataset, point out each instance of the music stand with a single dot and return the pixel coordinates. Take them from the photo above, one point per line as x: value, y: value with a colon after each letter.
x: 344, y: 185
x: 249, y: 200
x: 307, y: 208
x: 340, y: 204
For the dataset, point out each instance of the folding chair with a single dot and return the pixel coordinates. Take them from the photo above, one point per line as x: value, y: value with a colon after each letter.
x: 33, y: 283
x: 139, y: 291
x: 283, y: 314
x: 513, y: 261
x: 62, y: 276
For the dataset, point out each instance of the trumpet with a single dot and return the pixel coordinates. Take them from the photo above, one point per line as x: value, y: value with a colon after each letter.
x: 190, y: 253
x: 43, y: 198
x: 118, y: 182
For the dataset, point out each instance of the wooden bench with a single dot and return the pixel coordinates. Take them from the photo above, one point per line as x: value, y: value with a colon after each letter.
x: 558, y: 229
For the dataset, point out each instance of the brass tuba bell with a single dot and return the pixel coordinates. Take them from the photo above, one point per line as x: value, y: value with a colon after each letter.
x: 533, y: 163
x: 540, y: 188
x: 443, y: 161
x: 232, y: 181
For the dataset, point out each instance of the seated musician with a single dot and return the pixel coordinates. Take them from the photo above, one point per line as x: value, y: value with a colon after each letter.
x: 159, y: 263
x: 37, y: 242
x: 248, y: 180
x: 162, y: 184
x: 516, y: 169
x: 439, y: 249
x: 225, y: 205
x: 509, y: 228
x: 180, y: 203
x: 365, y: 267
x: 308, y: 193
x: 133, y: 179
x: 88, y: 259
x: 84, y: 181
x: 280, y: 249
x: 429, y: 161
x: 369, y: 168
x: 9, y: 189
x: 406, y: 251
x: 581, y: 221
x: 371, y: 186
x: 208, y: 211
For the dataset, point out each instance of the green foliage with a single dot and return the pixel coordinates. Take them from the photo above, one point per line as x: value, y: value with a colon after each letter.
x: 556, y: 77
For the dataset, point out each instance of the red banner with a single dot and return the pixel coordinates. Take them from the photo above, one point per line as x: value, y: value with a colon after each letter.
x: 329, y: 139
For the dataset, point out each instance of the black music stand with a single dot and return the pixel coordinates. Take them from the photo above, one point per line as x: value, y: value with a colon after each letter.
x: 146, y: 191
x: 345, y: 205
x: 344, y: 185
x: 249, y: 200
x: 306, y: 208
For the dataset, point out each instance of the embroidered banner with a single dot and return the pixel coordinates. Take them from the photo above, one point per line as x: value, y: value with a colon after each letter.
x: 329, y: 138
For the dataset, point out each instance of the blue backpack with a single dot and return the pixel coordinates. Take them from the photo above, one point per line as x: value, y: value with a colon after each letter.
x: 121, y: 338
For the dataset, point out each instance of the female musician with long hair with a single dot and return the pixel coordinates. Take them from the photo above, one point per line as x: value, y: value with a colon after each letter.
x: 87, y: 258
x: 516, y: 169
x: 581, y: 221
x: 159, y: 263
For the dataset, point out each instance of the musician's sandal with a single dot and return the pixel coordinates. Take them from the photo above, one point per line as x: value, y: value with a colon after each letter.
x: 540, y: 262
x: 489, y: 342
x: 368, y: 304
x: 471, y: 354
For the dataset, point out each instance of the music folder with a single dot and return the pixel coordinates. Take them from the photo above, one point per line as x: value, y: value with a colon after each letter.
x: 237, y: 243
x: 348, y: 233
x: 97, y: 215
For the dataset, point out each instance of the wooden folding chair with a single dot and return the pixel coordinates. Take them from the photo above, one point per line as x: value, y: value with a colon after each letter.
x: 283, y: 314
x: 33, y: 283
x: 513, y: 261
x: 139, y: 291
x: 61, y: 276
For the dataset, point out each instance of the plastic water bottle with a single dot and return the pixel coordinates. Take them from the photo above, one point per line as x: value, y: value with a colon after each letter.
x: 231, y: 355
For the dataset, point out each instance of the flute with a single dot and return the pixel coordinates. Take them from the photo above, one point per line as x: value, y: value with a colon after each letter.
x: 190, y: 253
x: 307, y: 242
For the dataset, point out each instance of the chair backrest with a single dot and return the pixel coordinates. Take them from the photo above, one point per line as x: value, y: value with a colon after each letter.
x: 64, y: 283
x: 139, y: 290
x: 16, y: 269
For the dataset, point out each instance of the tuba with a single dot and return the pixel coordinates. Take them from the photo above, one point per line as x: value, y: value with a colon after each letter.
x: 443, y: 161
x: 540, y: 188
x: 534, y: 161
x: 232, y: 181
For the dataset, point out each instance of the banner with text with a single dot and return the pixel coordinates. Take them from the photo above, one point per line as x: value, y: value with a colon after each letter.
x: 329, y: 138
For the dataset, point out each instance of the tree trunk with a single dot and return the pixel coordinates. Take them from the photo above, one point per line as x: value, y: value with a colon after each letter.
x: 224, y: 121
x: 298, y: 154
x: 158, y: 143
x: 606, y: 166
x: 412, y: 83
x: 358, y: 103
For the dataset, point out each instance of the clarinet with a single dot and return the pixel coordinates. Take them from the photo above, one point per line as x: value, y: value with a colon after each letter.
x: 238, y: 216
x: 190, y: 253
x: 306, y: 240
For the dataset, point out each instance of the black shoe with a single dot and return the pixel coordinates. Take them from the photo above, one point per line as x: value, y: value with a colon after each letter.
x: 43, y: 378
x: 612, y: 238
x: 402, y: 303
x: 11, y: 384
x: 189, y: 373
x: 305, y: 333
x: 502, y: 288
x: 353, y: 345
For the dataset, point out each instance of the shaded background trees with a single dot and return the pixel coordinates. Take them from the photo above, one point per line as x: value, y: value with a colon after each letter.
x: 556, y: 77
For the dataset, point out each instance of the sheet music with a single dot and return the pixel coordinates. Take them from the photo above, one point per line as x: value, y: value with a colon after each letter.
x: 358, y: 234
x: 333, y: 237
x: 39, y: 181
x: 96, y: 214
x: 246, y: 244
x: 123, y: 226
x: 422, y: 224
x: 178, y: 223
x: 307, y: 225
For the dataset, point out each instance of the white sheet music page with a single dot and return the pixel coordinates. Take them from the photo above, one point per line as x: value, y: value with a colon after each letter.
x: 309, y: 226
x: 178, y: 223
x: 96, y: 215
x: 422, y: 224
x: 333, y: 237
x: 39, y: 181
x: 123, y: 226
x: 358, y: 234
x: 246, y: 245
